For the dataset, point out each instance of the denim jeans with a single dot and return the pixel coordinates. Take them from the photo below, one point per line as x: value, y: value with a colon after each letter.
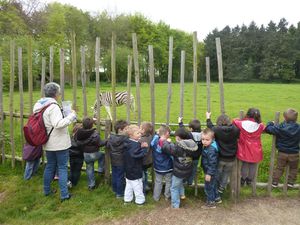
x: 211, y: 191
x: 159, y: 183
x: 75, y: 169
x: 195, y: 167
x: 118, y: 180
x: 31, y: 168
x: 57, y: 159
x: 89, y: 159
x: 224, y: 172
x: 177, y: 190
x: 145, y: 179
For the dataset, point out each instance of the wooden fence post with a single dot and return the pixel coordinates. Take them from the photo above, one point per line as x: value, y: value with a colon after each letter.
x: 271, y: 168
x: 255, y: 180
x: 11, y: 101
x: 30, y: 79
x: 74, y: 70
x: 62, y: 72
x: 137, y: 75
x: 51, y: 78
x: 170, y: 71
x: 97, y: 65
x: 151, y: 78
x: 195, y: 43
x: 1, y: 114
x: 20, y: 75
x: 220, y: 71
x: 107, y: 155
x: 238, y: 168
x: 83, y: 80
x: 182, y: 70
x: 113, y: 78
x: 129, y: 71
x: 207, y: 83
x: 43, y: 78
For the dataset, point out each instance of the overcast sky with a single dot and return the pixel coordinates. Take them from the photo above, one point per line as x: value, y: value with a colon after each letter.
x: 198, y: 15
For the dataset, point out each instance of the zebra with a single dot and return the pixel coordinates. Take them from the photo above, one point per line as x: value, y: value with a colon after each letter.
x: 105, y: 99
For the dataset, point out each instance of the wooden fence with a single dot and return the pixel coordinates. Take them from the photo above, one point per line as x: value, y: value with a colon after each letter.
x: 107, y: 125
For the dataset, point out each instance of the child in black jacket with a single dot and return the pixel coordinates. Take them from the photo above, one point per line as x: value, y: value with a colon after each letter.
x: 287, y: 142
x: 226, y: 135
x: 133, y: 161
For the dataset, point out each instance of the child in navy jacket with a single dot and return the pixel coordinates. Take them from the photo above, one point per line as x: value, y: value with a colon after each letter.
x: 287, y: 142
x: 210, y: 167
x: 133, y: 161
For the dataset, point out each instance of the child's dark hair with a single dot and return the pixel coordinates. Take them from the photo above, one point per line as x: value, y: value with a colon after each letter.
x: 163, y: 130
x: 76, y: 127
x: 120, y: 125
x: 254, y: 114
x: 290, y: 115
x: 223, y: 120
x: 87, y: 123
x: 208, y: 131
x: 182, y: 133
x: 148, y: 127
x: 195, y: 125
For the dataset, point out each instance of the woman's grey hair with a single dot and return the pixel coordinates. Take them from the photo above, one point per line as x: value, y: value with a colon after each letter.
x: 51, y: 90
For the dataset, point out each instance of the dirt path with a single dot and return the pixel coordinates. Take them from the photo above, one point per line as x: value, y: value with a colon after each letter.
x: 266, y: 211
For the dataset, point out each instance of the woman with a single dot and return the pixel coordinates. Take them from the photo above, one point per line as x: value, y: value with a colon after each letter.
x: 59, y: 142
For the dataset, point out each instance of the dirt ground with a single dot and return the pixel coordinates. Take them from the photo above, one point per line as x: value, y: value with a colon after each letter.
x: 252, y: 211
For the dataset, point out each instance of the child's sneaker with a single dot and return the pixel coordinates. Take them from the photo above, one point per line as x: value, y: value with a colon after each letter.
x: 290, y: 185
x: 218, y: 201
x: 274, y: 184
x: 182, y: 197
x: 221, y: 190
x: 209, y: 205
x: 56, y: 177
x: 69, y: 184
x: 248, y: 181
x: 243, y: 181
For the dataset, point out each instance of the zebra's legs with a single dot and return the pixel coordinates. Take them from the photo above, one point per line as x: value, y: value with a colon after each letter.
x: 107, y: 108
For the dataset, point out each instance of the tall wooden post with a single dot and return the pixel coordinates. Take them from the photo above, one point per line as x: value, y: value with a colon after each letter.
x: 151, y: 78
x: 107, y: 155
x: 97, y: 67
x: 83, y: 80
x: 170, y: 71
x: 113, y: 77
x: 208, y: 83
x: 43, y: 78
x: 220, y: 71
x: 1, y: 114
x: 272, y: 159
x: 137, y: 75
x: 30, y: 79
x: 129, y: 71
x: 51, y: 64
x: 62, y: 72
x: 11, y: 101
x: 182, y: 70
x: 238, y: 168
x: 20, y: 76
x: 195, y: 65
x: 74, y: 70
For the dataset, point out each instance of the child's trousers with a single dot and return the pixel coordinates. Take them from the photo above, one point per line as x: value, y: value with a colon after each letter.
x: 210, y: 189
x: 248, y: 170
x: 283, y: 160
x: 136, y: 187
x: 159, y: 183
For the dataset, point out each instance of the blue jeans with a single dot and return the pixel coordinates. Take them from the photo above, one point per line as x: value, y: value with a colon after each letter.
x: 57, y: 159
x: 145, y: 179
x: 118, y: 180
x: 89, y: 159
x: 31, y: 168
x: 75, y: 169
x: 177, y: 190
x: 195, y: 167
x: 211, y: 191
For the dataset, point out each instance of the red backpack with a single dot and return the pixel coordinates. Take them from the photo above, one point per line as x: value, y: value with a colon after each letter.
x: 35, y: 131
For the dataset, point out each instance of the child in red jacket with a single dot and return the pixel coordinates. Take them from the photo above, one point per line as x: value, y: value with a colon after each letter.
x: 249, y: 144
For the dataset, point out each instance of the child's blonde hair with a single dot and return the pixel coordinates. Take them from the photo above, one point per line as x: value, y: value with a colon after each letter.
x: 208, y: 131
x: 164, y: 129
x: 148, y: 128
x: 290, y: 115
x: 131, y: 129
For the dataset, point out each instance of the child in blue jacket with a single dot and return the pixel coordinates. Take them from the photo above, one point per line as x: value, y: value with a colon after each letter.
x: 287, y: 142
x: 209, y: 164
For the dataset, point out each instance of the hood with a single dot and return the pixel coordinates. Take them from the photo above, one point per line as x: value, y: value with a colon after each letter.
x: 250, y: 126
x: 42, y: 103
x: 84, y: 134
x: 290, y: 129
x: 117, y: 140
x: 196, y: 136
x: 189, y: 145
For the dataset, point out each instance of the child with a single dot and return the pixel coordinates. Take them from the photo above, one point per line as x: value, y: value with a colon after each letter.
x: 89, y: 140
x: 209, y: 163
x: 147, y: 132
x: 133, y: 161
x: 249, y: 144
x: 226, y: 135
x: 76, y: 158
x: 183, y: 152
x: 32, y: 156
x: 162, y: 163
x: 116, y: 145
x: 287, y: 142
x: 195, y: 134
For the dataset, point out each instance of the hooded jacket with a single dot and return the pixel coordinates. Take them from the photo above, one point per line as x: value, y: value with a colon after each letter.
x: 147, y: 161
x: 287, y: 136
x: 183, y: 152
x: 116, y: 146
x: 59, y: 138
x: 209, y: 160
x: 249, y: 143
x: 227, y: 139
x: 89, y: 140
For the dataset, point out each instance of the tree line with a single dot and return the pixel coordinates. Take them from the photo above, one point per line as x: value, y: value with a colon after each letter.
x: 249, y: 52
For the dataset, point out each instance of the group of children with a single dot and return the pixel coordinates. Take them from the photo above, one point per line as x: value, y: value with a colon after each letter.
x: 134, y: 149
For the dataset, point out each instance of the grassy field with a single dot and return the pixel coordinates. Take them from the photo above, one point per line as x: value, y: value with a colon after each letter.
x: 23, y: 202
